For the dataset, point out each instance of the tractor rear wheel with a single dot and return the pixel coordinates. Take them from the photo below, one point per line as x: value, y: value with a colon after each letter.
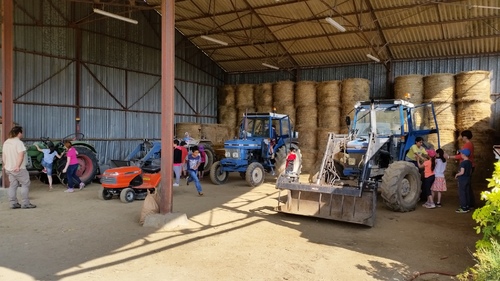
x: 127, y: 195
x: 209, y: 160
x: 217, y: 175
x: 104, y: 194
x: 400, y: 186
x: 87, y: 166
x: 255, y: 174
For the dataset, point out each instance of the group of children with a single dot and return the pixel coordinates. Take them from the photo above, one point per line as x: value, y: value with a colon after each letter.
x: 190, y: 164
x: 433, y: 163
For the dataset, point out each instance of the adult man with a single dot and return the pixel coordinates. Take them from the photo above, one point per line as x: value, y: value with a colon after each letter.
x: 14, y: 162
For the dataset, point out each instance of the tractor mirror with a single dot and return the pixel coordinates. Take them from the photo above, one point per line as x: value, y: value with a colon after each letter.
x: 348, y: 120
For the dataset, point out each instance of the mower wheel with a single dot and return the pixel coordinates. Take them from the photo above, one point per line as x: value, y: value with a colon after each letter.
x: 127, y: 195
x: 104, y: 194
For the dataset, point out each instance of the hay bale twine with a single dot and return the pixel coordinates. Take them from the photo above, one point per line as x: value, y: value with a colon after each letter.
x: 445, y: 115
x: 194, y: 130
x: 245, y: 95
x: 264, y: 95
x: 449, y: 145
x: 472, y: 114
x: 329, y: 117
x: 305, y: 94
x: 288, y: 110
x: 307, y: 137
x: 283, y: 93
x: 308, y: 159
x: 264, y: 108
x: 411, y: 84
x: 328, y: 93
x: 226, y: 95
x: 439, y: 87
x: 353, y: 90
x: 227, y: 115
x: 473, y: 86
x: 307, y: 116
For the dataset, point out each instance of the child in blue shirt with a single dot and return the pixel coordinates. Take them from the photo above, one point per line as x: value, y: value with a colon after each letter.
x: 48, y: 159
x: 463, y: 177
x: 193, y: 162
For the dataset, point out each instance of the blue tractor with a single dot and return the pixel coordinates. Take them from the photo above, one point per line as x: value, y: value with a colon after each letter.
x: 368, y: 160
x: 263, y: 143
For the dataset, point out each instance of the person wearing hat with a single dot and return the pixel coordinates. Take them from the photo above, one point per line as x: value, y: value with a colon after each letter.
x: 463, y: 177
x: 428, y: 165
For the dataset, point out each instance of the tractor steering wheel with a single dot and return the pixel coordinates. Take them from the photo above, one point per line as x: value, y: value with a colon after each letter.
x: 46, y: 141
x: 77, y: 136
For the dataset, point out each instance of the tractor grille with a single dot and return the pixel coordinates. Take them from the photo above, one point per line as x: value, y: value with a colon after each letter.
x: 108, y: 180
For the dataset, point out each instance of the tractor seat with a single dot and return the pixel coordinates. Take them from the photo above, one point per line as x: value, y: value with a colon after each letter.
x: 151, y: 169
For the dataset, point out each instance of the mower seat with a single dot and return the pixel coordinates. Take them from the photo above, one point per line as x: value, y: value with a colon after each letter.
x: 151, y: 169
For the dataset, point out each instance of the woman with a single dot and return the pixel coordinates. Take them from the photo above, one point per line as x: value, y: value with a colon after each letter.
x: 71, y: 167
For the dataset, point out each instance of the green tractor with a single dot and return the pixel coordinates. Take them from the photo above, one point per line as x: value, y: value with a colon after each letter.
x: 87, y: 159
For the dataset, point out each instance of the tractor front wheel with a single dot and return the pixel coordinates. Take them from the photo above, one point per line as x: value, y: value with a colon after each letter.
x: 104, y: 194
x: 400, y: 186
x: 127, y: 195
x: 255, y: 174
x: 217, y: 175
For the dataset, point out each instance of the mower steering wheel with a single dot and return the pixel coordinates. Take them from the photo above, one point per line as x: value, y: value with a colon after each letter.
x: 77, y: 136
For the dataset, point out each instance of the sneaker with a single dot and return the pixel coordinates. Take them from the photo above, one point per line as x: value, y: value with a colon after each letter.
x: 82, y: 185
x: 200, y: 193
x: 187, y: 180
x: 431, y: 206
x: 438, y: 205
x: 175, y: 184
x: 425, y: 205
x: 461, y: 211
x: 69, y: 190
x: 16, y: 206
x: 29, y: 206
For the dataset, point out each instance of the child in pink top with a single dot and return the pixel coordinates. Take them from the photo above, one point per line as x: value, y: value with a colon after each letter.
x: 71, y: 167
x: 429, y: 164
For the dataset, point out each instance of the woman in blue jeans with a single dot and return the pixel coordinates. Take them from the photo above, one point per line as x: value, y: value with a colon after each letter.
x: 193, y: 161
x: 71, y: 168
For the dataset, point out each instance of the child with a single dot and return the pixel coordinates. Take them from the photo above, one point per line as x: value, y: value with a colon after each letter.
x: 290, y: 158
x: 416, y: 151
x: 429, y: 165
x: 439, y: 184
x: 463, y: 177
x: 48, y: 159
x: 201, y: 168
x: 193, y: 161
x: 177, y: 162
x: 71, y: 168
x: 184, y: 156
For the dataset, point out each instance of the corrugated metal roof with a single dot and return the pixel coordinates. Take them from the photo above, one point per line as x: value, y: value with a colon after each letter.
x: 294, y: 34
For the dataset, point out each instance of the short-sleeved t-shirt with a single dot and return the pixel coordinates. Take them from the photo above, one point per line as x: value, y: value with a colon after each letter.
x: 47, y: 156
x: 11, y: 149
x: 193, y: 161
x: 415, y: 150
x: 72, y: 156
x: 428, y: 168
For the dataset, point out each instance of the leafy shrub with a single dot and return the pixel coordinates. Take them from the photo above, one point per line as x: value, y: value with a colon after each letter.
x: 488, y: 264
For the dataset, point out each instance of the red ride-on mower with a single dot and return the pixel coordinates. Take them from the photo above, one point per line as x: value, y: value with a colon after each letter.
x: 129, y: 182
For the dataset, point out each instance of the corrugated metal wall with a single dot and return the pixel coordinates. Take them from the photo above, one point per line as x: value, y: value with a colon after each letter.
x: 107, y: 72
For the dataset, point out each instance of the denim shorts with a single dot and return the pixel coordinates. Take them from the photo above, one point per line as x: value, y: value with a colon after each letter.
x: 48, y: 167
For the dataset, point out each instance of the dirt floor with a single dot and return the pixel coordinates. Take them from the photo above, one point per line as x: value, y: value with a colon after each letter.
x: 233, y: 234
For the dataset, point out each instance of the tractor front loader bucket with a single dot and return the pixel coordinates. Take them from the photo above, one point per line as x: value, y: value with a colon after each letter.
x: 340, y: 203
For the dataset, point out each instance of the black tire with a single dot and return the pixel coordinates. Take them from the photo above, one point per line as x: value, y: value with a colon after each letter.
x: 400, y: 186
x: 217, y: 176
x: 210, y: 159
x: 255, y: 174
x: 87, y: 169
x: 104, y: 194
x: 127, y: 195
x: 44, y: 179
x: 280, y: 164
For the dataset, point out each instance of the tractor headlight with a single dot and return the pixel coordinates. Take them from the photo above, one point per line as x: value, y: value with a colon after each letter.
x: 236, y: 155
x: 228, y: 154
x: 232, y: 153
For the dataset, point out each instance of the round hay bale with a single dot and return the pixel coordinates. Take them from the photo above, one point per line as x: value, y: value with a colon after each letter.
x: 307, y: 116
x: 439, y: 87
x: 354, y: 90
x: 264, y: 108
x: 322, y: 137
x: 264, y: 95
x: 305, y: 94
x: 283, y: 93
x: 209, y: 132
x: 226, y: 95
x: 244, y: 95
x: 307, y: 137
x: 483, y: 140
x: 445, y: 115
x: 411, y: 84
x: 448, y: 139
x: 194, y: 130
x: 329, y: 117
x: 472, y: 114
x: 347, y: 109
x: 223, y: 133
x: 308, y: 159
x: 241, y: 112
x: 227, y: 115
x: 328, y: 93
x: 473, y: 86
x: 288, y: 110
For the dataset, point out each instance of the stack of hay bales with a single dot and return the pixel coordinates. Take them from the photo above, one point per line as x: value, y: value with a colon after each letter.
x: 283, y: 98
x: 306, y: 124
x: 440, y: 90
x: 193, y: 129
x: 474, y: 113
x: 227, y: 110
x: 264, y: 97
x: 328, y: 100
x: 352, y: 91
x: 244, y: 101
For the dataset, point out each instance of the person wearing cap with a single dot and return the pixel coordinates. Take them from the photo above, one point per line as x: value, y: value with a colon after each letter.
x: 463, y: 177
x: 466, y: 137
x: 428, y: 165
x: 416, y: 152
